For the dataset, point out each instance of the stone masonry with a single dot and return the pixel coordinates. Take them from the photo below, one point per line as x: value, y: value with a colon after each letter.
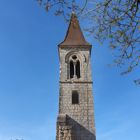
x: 76, y: 111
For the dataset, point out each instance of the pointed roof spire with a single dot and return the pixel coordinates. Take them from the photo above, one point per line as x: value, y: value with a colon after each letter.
x: 74, y: 35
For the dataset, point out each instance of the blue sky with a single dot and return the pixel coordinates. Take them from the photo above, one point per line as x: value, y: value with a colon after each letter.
x: 29, y: 79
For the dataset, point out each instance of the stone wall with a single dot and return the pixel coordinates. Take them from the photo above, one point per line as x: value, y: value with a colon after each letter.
x: 69, y: 129
x: 82, y: 112
x: 75, y: 121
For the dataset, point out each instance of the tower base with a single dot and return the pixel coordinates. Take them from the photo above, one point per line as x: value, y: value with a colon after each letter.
x: 69, y: 129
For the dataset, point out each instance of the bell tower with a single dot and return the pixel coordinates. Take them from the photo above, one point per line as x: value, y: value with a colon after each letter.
x: 76, y: 110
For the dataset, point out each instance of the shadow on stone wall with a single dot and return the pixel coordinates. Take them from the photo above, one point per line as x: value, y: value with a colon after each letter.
x: 69, y: 129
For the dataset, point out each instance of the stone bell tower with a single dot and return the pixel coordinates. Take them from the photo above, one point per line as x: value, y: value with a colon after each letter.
x: 76, y: 111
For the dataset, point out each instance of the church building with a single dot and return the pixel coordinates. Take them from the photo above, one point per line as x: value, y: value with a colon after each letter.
x: 76, y: 109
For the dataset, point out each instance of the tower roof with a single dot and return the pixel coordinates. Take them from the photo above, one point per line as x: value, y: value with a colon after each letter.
x: 74, y: 35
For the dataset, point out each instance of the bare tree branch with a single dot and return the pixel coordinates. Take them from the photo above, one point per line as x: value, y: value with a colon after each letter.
x: 115, y: 20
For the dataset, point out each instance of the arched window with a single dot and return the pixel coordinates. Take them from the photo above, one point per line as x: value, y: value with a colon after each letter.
x: 74, y: 67
x: 78, y: 69
x: 71, y: 69
x: 75, y: 97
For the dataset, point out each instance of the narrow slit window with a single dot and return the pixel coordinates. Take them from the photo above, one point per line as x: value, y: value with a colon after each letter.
x: 71, y: 69
x: 78, y: 69
x: 75, y: 97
